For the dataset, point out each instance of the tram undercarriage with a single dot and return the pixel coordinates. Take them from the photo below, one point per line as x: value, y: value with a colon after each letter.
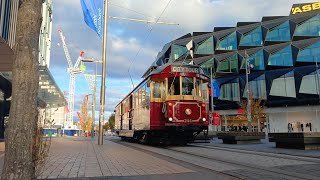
x: 170, y: 136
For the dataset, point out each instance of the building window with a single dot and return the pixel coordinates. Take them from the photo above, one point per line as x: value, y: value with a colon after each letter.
x: 229, y: 65
x: 205, y: 47
x: 257, y: 88
x: 284, y: 86
x: 207, y: 66
x: 279, y: 33
x: 310, y: 54
x: 252, y: 38
x: 282, y: 57
x: 180, y: 51
x: 228, y: 42
x: 256, y: 60
x: 310, y: 83
x: 230, y: 91
x: 310, y: 27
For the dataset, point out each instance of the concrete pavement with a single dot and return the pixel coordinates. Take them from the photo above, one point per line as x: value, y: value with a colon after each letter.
x: 82, y: 157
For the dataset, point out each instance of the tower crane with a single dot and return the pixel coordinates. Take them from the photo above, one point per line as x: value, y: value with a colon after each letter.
x: 72, y: 70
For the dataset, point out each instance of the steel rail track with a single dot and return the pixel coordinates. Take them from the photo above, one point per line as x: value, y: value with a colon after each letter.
x: 267, y: 154
x: 282, y: 173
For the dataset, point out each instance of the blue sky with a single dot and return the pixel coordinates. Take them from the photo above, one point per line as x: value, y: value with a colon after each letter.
x: 126, y: 39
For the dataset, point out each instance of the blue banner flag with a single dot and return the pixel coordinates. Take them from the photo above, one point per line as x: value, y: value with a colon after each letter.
x: 93, y: 14
x: 215, y: 88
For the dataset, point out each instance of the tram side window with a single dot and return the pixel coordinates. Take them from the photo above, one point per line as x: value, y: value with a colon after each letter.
x: 147, y: 101
x: 187, y: 86
x: 174, y: 86
x: 198, y: 88
x: 204, y: 89
x: 156, y: 90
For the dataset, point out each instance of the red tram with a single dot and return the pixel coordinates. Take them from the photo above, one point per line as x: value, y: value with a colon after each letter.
x: 169, y: 105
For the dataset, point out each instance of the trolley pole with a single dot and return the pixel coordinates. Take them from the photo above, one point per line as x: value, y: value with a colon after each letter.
x: 103, y: 81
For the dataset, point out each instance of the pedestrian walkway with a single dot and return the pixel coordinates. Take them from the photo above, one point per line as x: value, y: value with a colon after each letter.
x: 82, y: 157
x: 264, y: 146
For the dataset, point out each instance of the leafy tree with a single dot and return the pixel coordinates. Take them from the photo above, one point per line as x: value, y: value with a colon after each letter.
x: 85, y: 116
x: 19, y: 161
x: 257, y: 109
x: 111, y: 121
x: 106, y: 126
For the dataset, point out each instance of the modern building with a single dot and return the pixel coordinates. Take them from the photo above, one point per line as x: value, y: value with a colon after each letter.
x: 51, y: 98
x: 280, y: 54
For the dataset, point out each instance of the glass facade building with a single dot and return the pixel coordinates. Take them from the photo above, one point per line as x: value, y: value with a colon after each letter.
x: 283, y: 54
x: 49, y: 93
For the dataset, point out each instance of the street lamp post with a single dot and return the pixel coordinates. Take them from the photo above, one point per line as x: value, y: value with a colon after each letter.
x: 103, y: 82
x: 94, y: 89
x: 248, y: 92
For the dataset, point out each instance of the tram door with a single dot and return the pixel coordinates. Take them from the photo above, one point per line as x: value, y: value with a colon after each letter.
x: 130, y: 113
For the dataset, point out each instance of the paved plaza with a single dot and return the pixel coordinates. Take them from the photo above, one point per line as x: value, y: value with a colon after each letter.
x: 82, y: 158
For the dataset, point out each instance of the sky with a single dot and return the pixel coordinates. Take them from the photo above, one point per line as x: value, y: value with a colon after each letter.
x: 133, y: 46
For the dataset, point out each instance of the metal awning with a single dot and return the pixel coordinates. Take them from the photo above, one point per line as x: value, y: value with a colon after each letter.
x: 6, y: 56
x: 49, y: 91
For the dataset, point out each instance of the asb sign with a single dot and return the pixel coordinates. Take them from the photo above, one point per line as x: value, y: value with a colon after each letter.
x: 302, y: 8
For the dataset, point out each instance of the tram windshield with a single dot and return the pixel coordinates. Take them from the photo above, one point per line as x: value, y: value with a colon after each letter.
x: 187, y: 86
x: 190, y: 86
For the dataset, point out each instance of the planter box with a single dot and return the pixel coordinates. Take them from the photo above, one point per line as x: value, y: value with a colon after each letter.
x: 299, y: 140
x: 241, y: 137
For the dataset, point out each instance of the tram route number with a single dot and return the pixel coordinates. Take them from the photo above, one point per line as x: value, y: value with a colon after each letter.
x: 185, y: 69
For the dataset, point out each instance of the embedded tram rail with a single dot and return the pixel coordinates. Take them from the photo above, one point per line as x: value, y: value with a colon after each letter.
x: 267, y: 154
x: 238, y: 163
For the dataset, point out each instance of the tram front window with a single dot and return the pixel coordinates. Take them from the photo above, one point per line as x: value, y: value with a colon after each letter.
x: 187, y: 86
x: 174, y: 86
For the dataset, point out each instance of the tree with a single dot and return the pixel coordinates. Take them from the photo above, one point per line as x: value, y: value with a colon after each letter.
x: 22, y: 125
x: 106, y: 126
x: 111, y: 121
x: 85, y: 116
x: 110, y: 124
x: 257, y: 109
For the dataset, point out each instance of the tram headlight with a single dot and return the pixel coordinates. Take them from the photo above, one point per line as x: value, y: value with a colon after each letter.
x: 204, y: 119
x: 170, y: 119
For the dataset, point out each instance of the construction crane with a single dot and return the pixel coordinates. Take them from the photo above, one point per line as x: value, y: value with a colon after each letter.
x: 72, y: 70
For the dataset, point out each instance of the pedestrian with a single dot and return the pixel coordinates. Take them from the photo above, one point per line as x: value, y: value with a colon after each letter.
x: 232, y: 127
x: 244, y: 128
x: 310, y: 126
x: 289, y: 127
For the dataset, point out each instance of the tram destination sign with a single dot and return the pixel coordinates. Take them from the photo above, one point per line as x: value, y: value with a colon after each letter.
x: 184, y: 69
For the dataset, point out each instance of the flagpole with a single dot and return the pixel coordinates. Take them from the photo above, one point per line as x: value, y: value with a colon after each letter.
x: 103, y: 81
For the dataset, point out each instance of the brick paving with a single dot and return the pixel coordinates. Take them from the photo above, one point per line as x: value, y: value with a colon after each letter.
x: 80, y: 157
